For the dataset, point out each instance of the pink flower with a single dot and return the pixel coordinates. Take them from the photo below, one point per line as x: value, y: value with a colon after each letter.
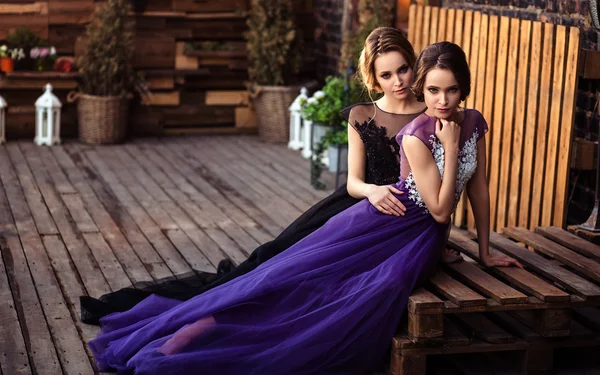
x: 44, y: 52
x: 34, y: 53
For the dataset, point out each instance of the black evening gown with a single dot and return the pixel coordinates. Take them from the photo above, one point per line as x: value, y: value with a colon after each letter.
x: 377, y: 130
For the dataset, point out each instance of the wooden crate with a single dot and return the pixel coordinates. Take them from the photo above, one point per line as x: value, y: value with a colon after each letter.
x: 551, y: 303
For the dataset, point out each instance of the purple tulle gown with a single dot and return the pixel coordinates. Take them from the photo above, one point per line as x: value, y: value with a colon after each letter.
x: 328, y: 305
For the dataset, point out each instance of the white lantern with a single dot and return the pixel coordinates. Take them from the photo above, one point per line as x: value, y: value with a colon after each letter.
x: 47, y: 118
x: 3, y: 106
x: 296, y: 120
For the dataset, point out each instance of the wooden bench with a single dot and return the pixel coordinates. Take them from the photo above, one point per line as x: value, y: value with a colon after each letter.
x: 524, y: 77
x: 553, y: 303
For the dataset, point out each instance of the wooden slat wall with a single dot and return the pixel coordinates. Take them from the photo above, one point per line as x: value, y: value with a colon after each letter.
x: 524, y: 80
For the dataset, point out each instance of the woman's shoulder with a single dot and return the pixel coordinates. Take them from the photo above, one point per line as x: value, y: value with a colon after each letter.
x: 358, y: 111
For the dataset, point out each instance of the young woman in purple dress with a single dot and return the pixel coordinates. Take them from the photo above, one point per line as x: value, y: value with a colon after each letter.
x: 341, y: 291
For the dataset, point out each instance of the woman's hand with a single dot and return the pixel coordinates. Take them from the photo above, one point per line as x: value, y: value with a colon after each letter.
x: 382, y: 199
x: 500, y: 261
x: 448, y: 132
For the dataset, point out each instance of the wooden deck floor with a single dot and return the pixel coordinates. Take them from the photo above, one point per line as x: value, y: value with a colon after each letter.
x: 82, y: 220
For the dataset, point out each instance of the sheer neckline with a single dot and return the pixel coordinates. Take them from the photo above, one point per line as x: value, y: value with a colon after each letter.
x: 399, y: 114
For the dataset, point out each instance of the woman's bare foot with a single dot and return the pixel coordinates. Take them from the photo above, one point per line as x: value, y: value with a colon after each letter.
x: 451, y: 256
x: 185, y: 336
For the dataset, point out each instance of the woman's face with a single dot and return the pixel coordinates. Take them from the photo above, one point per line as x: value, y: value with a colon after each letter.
x: 394, y: 75
x: 441, y: 92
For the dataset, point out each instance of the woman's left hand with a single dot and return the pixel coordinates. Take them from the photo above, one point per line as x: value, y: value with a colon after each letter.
x: 500, y: 261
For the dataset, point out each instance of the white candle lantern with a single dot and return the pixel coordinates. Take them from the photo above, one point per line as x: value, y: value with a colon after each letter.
x: 3, y: 106
x: 47, y: 118
x: 296, y: 120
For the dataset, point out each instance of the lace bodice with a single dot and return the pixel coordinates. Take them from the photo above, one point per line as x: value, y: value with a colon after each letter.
x: 473, y: 128
x: 378, y: 130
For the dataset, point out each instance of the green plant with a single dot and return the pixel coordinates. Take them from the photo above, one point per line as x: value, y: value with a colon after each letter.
x: 325, y: 105
x: 372, y: 14
x: 274, y: 44
x: 25, y: 38
x: 106, y: 67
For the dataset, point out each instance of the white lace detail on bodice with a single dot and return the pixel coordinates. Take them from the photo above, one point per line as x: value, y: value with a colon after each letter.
x: 467, y: 164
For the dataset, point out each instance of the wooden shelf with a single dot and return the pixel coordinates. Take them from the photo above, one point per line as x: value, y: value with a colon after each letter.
x: 224, y: 54
x: 192, y: 16
x: 41, y: 75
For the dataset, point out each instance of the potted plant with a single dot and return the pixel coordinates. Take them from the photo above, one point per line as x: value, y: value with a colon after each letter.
x: 274, y: 55
x: 24, y: 39
x: 108, y: 79
x: 43, y: 58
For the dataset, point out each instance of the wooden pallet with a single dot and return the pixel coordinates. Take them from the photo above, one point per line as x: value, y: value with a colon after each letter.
x: 464, y: 308
x: 502, y: 333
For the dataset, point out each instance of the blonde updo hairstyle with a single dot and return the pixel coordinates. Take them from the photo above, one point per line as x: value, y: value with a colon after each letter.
x: 380, y: 41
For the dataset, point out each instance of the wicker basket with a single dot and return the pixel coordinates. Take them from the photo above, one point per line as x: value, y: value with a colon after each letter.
x: 101, y: 119
x: 272, y: 111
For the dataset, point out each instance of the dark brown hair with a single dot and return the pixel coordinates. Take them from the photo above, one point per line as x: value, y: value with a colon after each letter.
x: 380, y: 41
x: 442, y: 55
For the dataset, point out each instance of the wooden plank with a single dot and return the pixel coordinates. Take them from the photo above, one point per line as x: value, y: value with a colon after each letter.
x: 425, y: 328
x: 40, y: 213
x: 146, y: 225
x: 65, y: 12
x: 32, y: 8
x: 426, y: 26
x: 473, y: 55
x: 171, y: 99
x: 238, y: 98
x: 459, y: 25
x: 421, y: 299
x: 450, y: 25
x: 209, y: 6
x: 33, y: 277
x: 481, y: 23
x: 160, y: 83
x: 529, y: 149
x: 589, y: 63
x: 203, y: 210
x: 521, y: 278
x: 455, y: 291
x: 435, y: 20
x: 12, y: 345
x: 566, y: 126
x: 216, y: 189
x: 412, y: 22
x: 552, y: 143
x: 493, y: 106
x: 587, y: 266
x: 441, y: 36
x: 513, y: 324
x: 570, y: 241
x: 537, y: 195
x: 486, y: 284
x: 547, y: 322
x: 80, y: 216
x: 139, y: 202
x: 272, y: 204
x: 484, y: 329
x: 119, y: 228
x: 245, y: 118
x: 83, y: 260
x: 213, y: 244
x: 566, y: 279
x: 419, y: 44
x: 520, y: 122
x: 508, y: 132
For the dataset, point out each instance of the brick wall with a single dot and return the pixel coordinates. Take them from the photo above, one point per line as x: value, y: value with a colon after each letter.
x: 568, y: 13
x: 328, y: 15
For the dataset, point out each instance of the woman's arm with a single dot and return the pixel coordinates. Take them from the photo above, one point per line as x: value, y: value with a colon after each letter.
x: 380, y: 196
x: 437, y: 193
x: 479, y: 196
x: 356, y: 165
